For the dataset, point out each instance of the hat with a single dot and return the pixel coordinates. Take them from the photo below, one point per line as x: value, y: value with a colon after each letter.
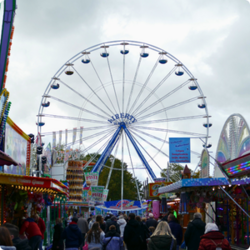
x: 211, y: 227
x: 151, y: 215
x: 121, y: 217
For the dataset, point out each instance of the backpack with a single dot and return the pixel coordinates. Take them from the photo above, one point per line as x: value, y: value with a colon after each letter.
x: 217, y: 245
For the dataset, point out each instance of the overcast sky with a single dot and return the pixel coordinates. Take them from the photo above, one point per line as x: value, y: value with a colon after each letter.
x: 210, y: 37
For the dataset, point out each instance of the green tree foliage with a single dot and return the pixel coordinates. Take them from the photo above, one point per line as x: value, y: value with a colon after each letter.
x: 129, y: 187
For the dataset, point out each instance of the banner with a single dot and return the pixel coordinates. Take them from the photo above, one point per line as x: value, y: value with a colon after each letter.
x: 91, y: 178
x: 204, y: 164
x: 153, y: 188
x: 74, y: 135
x: 53, y: 140
x: 105, y: 195
x: 66, y: 136
x: 81, y: 131
x: 96, y: 193
x: 60, y: 137
x: 179, y: 150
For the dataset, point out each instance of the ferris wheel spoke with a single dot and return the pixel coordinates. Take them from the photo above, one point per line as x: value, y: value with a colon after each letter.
x: 86, y: 99
x: 163, y: 98
x: 113, y: 84
x: 159, y: 139
x: 90, y: 137
x: 147, y: 153
x: 92, y: 89
x: 103, y: 87
x: 97, y: 153
x: 168, y: 108
x: 153, y: 91
x: 171, y: 131
x: 144, y: 86
x: 75, y: 106
x: 150, y: 144
x: 122, y: 173
x: 132, y: 165
x: 113, y: 162
x: 123, y: 81
x: 71, y: 118
x: 169, y: 120
x: 133, y: 84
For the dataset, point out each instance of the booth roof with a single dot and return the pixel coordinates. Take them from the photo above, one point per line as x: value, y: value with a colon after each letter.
x: 34, y: 184
x: 6, y: 160
x: 185, y: 184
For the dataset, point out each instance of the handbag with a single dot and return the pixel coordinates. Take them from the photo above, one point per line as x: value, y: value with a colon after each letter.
x: 85, y: 247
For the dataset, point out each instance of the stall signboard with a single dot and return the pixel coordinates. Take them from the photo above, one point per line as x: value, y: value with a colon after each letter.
x: 153, y: 188
x: 179, y: 150
x: 125, y: 204
x: 204, y: 164
x: 16, y: 147
x: 96, y: 193
x: 85, y: 194
x: 105, y: 195
x: 91, y: 178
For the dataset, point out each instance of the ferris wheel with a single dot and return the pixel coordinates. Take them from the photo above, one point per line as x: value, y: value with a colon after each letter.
x: 130, y: 97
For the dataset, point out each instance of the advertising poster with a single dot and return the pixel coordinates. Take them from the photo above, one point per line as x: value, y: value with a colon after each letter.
x: 16, y: 148
x: 153, y: 188
x: 105, y: 195
x: 96, y: 193
x: 91, y: 178
x: 179, y: 150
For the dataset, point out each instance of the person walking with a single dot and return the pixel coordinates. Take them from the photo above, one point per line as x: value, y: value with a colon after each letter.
x: 83, y: 226
x: 100, y: 220
x: 151, y: 222
x: 195, y: 230
x: 176, y: 229
x: 113, y: 221
x: 112, y: 240
x: 5, y: 239
x: 134, y: 236
x: 20, y: 244
x: 72, y: 235
x: 162, y: 238
x: 95, y: 236
x: 213, y: 238
x: 122, y: 223
x: 34, y: 235
x: 92, y: 222
x: 41, y: 224
x: 57, y: 236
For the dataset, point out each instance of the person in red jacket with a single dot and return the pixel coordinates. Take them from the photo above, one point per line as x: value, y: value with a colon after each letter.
x: 213, y: 239
x: 34, y: 235
x: 41, y: 224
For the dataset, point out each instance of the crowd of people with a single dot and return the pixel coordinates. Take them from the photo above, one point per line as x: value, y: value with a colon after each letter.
x: 120, y: 232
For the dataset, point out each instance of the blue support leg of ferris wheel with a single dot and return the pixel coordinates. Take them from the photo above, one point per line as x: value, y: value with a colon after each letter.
x: 107, y: 151
x: 138, y: 151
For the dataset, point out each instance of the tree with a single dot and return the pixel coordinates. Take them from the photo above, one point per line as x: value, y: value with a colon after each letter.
x: 174, y: 172
x: 129, y: 186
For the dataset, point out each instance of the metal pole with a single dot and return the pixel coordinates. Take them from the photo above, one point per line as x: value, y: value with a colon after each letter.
x: 122, y: 174
x: 235, y: 202
x: 2, y: 204
x: 168, y: 172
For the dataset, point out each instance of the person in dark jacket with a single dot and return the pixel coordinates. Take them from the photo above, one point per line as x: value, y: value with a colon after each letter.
x: 134, y: 234
x: 20, y: 244
x: 113, y: 221
x: 151, y: 222
x: 176, y: 230
x: 162, y: 238
x: 57, y: 236
x: 195, y: 230
x: 213, y: 238
x: 72, y: 235
x: 113, y: 240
